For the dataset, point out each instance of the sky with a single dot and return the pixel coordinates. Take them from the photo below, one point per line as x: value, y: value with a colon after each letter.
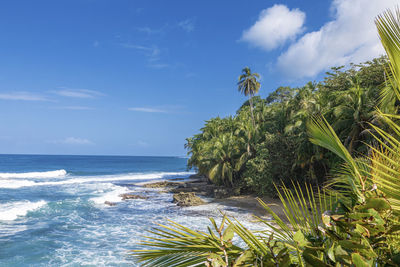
x: 130, y: 77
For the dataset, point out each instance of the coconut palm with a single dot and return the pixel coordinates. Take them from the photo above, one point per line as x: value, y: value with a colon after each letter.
x: 354, y: 113
x: 249, y: 86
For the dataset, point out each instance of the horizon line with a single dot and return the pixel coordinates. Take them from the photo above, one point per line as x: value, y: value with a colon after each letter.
x: 100, y: 155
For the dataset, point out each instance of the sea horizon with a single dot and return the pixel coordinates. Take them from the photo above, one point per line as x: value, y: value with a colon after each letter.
x: 69, y: 210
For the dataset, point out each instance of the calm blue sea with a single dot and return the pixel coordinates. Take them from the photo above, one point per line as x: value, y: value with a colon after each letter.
x: 52, y: 210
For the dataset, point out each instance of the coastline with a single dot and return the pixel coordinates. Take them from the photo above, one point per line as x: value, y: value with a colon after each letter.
x: 212, y: 194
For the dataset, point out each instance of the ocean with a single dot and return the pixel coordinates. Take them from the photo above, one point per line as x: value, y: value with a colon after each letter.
x: 52, y: 210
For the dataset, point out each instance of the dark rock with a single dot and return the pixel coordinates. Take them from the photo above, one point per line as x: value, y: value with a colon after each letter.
x: 183, y: 199
x: 222, y: 192
x: 181, y: 189
x: 201, y: 177
x: 161, y: 184
x: 132, y: 196
x: 110, y: 203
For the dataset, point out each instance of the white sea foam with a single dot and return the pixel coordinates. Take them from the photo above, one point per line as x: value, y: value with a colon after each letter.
x: 111, y: 196
x: 91, y: 179
x: 27, y: 175
x: 11, y: 211
x: 6, y: 183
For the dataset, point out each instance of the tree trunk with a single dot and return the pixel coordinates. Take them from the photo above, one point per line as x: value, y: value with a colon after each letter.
x: 251, y: 109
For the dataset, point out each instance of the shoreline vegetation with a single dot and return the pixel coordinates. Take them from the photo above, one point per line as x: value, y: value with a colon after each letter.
x: 330, y: 152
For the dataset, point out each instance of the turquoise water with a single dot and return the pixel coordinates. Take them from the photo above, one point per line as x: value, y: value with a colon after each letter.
x: 52, y: 210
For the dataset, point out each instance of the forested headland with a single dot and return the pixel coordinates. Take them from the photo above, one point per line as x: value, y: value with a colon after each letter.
x: 266, y: 141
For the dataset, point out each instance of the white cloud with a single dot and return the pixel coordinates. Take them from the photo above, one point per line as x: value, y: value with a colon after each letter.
x: 187, y: 25
x: 350, y: 37
x: 78, y: 93
x: 148, y: 110
x: 274, y: 27
x: 21, y: 95
x: 73, y: 141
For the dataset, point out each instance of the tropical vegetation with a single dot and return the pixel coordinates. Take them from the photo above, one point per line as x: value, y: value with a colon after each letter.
x: 267, y: 141
x: 347, y: 127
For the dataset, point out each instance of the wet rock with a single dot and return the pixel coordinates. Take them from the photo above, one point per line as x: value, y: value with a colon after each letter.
x: 161, y: 184
x: 186, y: 199
x: 110, y: 203
x: 132, y: 196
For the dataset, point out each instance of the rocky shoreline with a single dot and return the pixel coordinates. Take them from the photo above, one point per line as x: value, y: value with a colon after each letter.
x: 197, y: 190
x: 194, y: 190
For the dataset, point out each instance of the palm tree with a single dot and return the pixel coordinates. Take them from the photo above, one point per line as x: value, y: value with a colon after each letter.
x: 249, y: 86
x: 354, y: 113
x: 224, y: 157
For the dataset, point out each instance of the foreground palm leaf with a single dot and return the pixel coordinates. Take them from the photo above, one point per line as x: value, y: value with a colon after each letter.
x: 389, y: 31
x: 177, y: 245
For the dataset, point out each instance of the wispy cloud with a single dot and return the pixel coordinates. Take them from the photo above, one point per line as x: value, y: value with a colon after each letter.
x: 187, y: 25
x: 153, y: 31
x: 96, y: 43
x: 75, y: 108
x: 142, y: 143
x: 148, y: 110
x: 159, y: 65
x: 152, y: 54
x: 77, y: 93
x: 73, y: 141
x: 23, y: 96
x: 171, y: 109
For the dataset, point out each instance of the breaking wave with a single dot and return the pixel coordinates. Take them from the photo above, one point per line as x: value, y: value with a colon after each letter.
x: 27, y: 175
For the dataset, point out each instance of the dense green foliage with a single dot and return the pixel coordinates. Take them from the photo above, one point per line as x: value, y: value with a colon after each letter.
x: 352, y: 221
x: 235, y: 152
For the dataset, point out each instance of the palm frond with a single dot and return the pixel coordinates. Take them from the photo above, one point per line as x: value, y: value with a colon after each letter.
x: 176, y: 245
x: 322, y: 134
x: 388, y: 25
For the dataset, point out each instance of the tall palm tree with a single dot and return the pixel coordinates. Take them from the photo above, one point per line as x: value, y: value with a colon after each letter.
x: 249, y: 86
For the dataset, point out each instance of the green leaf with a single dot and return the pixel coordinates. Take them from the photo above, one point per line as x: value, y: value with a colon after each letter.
x: 243, y: 258
x: 300, y: 239
x: 313, y: 260
x: 228, y: 233
x: 331, y: 253
x: 362, y: 230
x: 359, y: 261
x: 326, y: 219
x: 378, y: 204
x: 351, y: 245
x: 216, y: 260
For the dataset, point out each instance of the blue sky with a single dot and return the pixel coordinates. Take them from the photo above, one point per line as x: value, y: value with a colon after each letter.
x: 138, y: 77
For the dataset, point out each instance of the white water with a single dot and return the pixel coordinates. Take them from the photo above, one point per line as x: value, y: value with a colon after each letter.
x: 27, y: 175
x: 10, y: 183
x: 11, y: 211
x: 111, y: 196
